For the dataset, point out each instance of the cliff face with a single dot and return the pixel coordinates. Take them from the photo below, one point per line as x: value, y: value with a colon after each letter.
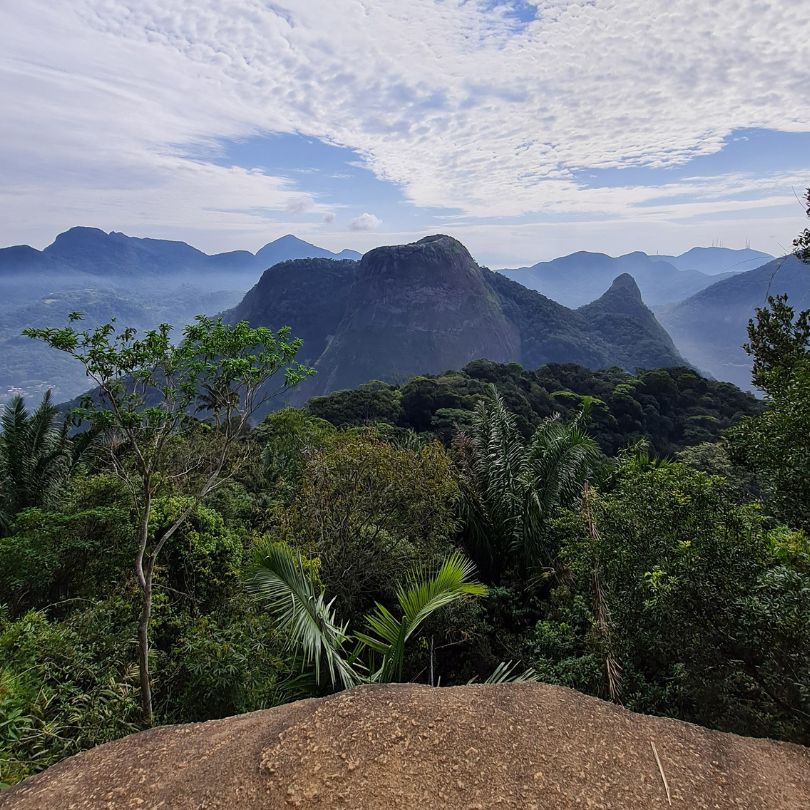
x: 428, y: 307
x: 413, y: 309
x: 309, y: 295
x: 413, y: 747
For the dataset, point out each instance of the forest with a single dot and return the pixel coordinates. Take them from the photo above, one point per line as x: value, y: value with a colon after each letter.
x: 163, y: 559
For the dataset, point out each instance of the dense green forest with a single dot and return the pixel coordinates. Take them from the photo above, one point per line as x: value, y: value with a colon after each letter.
x: 670, y: 408
x: 640, y: 538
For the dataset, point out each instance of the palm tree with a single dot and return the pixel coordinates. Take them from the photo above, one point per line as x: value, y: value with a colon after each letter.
x: 512, y: 488
x: 35, y: 456
x: 279, y: 578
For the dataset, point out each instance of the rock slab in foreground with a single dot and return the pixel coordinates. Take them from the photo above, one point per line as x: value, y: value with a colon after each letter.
x: 408, y: 746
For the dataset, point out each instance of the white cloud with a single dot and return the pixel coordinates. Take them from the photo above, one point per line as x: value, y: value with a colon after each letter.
x: 106, y: 100
x: 365, y: 222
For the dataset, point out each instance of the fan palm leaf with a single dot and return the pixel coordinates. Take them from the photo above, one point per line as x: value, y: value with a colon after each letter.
x: 35, y: 454
x: 278, y: 578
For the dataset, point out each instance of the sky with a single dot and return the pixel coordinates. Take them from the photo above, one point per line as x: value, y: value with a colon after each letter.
x: 526, y: 128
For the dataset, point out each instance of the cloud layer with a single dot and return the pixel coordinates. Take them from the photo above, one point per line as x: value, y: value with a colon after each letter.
x: 459, y: 103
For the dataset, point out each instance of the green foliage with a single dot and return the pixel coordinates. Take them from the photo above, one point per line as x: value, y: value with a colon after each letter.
x: 204, y: 561
x: 670, y: 408
x: 666, y: 585
x: 149, y: 395
x: 801, y: 244
x: 371, y: 511
x: 35, y: 456
x: 513, y: 488
x: 695, y: 586
x: 280, y: 580
x: 776, y: 444
x: 224, y: 663
x: 64, y: 686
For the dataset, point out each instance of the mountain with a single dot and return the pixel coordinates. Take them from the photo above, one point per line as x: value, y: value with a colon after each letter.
x: 576, y: 279
x: 427, y: 307
x: 410, y: 746
x: 709, y: 328
x: 621, y: 318
x: 142, y: 282
x: 291, y: 247
x: 715, y: 261
x: 97, y: 253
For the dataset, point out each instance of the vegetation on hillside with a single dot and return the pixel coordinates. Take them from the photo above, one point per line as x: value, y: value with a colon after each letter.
x: 670, y: 408
x: 640, y: 538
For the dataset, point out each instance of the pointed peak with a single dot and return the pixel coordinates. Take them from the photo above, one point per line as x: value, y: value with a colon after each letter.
x: 623, y: 295
x: 624, y: 285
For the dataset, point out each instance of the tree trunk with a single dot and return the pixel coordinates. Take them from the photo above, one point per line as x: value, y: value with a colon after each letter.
x: 144, y: 566
x: 143, y: 649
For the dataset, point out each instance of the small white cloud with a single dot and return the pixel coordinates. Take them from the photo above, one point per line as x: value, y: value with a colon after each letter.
x: 329, y: 217
x: 299, y: 205
x: 365, y: 222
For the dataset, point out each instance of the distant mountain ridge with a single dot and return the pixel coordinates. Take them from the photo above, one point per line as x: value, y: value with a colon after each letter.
x: 717, y: 260
x: 427, y: 307
x: 710, y: 327
x: 95, y: 252
x: 581, y: 277
x: 141, y: 282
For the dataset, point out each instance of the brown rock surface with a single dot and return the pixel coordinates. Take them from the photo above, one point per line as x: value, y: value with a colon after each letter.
x: 408, y: 746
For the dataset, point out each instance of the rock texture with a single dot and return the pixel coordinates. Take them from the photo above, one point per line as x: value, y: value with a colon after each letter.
x: 408, y: 746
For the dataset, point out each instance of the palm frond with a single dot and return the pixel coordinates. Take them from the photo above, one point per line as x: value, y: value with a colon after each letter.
x: 505, y: 673
x: 279, y: 579
x: 421, y: 596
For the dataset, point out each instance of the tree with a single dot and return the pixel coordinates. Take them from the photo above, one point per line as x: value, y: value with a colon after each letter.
x: 512, y: 488
x: 369, y: 511
x: 35, y: 456
x: 280, y: 579
x: 801, y: 244
x: 149, y: 391
x: 699, y: 603
x: 776, y: 444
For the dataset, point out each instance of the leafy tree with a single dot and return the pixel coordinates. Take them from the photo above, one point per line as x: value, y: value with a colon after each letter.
x: 369, y: 511
x: 776, y: 444
x: 513, y: 488
x: 79, y: 549
x: 35, y: 456
x: 708, y: 608
x: 64, y: 686
x: 149, y: 390
x: 670, y: 408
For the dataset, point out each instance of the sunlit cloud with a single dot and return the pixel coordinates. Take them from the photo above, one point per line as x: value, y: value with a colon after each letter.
x: 116, y: 111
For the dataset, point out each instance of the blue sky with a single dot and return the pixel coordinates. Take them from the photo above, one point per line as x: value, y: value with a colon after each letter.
x: 526, y: 128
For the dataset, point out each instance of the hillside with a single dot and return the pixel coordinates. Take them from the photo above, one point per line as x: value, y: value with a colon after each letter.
x: 581, y: 277
x: 33, y: 368
x: 717, y: 260
x: 427, y: 306
x: 408, y: 746
x: 710, y: 328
